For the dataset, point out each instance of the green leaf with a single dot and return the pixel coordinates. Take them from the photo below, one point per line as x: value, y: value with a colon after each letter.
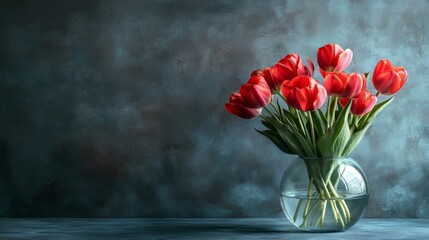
x: 268, y: 125
x: 281, y: 111
x: 375, y: 111
x: 303, y: 117
x: 333, y: 142
x: 366, y: 75
x: 320, y: 122
x: 355, y: 140
x: 276, y: 139
x: 364, y: 125
x: 292, y: 119
x: 286, y: 133
x: 304, y: 143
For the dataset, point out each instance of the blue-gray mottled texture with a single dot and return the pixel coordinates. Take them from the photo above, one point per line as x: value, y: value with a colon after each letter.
x: 208, y: 228
x: 115, y: 108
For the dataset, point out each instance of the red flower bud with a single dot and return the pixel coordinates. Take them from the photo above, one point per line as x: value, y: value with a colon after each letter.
x: 304, y: 93
x: 236, y: 107
x: 361, y: 104
x: 388, y: 79
x: 256, y: 92
x: 332, y: 58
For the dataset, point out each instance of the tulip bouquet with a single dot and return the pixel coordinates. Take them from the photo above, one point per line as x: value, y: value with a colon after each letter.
x: 302, y: 128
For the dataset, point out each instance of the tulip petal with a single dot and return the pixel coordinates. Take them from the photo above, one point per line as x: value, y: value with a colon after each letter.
x: 317, y: 97
x: 359, y: 104
x: 344, y: 101
x: 355, y: 84
x: 290, y: 60
x: 370, y: 103
x: 387, y: 83
x: 257, y: 79
x: 402, y: 73
x: 325, y: 57
x: 382, y: 66
x: 241, y: 111
x: 321, y: 96
x: 381, y: 81
x: 286, y: 71
x: 311, y: 69
x: 269, y: 78
x: 363, y: 103
x: 322, y: 72
x: 286, y: 89
x: 255, y: 95
x: 301, y: 96
x: 333, y: 85
x: 344, y: 60
x: 395, y: 84
x: 336, y: 49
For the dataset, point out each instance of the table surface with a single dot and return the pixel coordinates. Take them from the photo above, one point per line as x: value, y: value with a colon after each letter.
x: 207, y: 228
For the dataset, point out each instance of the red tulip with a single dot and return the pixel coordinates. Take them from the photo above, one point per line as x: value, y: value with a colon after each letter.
x: 361, y: 104
x: 236, y: 107
x: 334, y: 83
x: 304, y: 93
x: 356, y: 83
x: 347, y: 86
x: 332, y: 58
x: 286, y: 69
x: 388, y: 79
x: 256, y: 92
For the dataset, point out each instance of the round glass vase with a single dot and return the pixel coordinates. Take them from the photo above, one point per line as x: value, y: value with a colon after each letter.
x: 324, y: 194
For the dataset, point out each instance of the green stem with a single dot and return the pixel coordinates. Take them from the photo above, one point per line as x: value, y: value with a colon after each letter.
x: 295, y: 216
x: 363, y: 120
x: 303, y: 129
x: 323, y: 213
x: 333, y: 108
x: 328, y: 111
x: 327, y: 195
x: 313, y: 137
x: 355, y: 120
x: 333, y: 210
x: 309, y: 195
x: 337, y: 213
x: 315, y: 215
x: 343, y: 204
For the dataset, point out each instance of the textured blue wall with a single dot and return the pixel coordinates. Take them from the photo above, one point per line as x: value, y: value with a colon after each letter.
x: 115, y: 108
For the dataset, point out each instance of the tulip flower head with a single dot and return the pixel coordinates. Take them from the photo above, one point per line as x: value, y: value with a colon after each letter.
x: 332, y: 58
x: 286, y: 69
x: 236, y: 107
x: 347, y: 86
x: 256, y: 92
x: 304, y: 93
x: 388, y: 79
x: 356, y: 83
x: 362, y: 104
x: 335, y: 82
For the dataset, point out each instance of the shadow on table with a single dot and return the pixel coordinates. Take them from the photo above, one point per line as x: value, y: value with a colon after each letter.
x: 193, y: 228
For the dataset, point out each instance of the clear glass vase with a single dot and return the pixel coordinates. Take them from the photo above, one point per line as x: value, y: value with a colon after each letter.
x: 324, y: 195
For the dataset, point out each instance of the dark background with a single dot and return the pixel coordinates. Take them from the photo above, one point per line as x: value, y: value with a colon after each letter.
x: 115, y: 108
